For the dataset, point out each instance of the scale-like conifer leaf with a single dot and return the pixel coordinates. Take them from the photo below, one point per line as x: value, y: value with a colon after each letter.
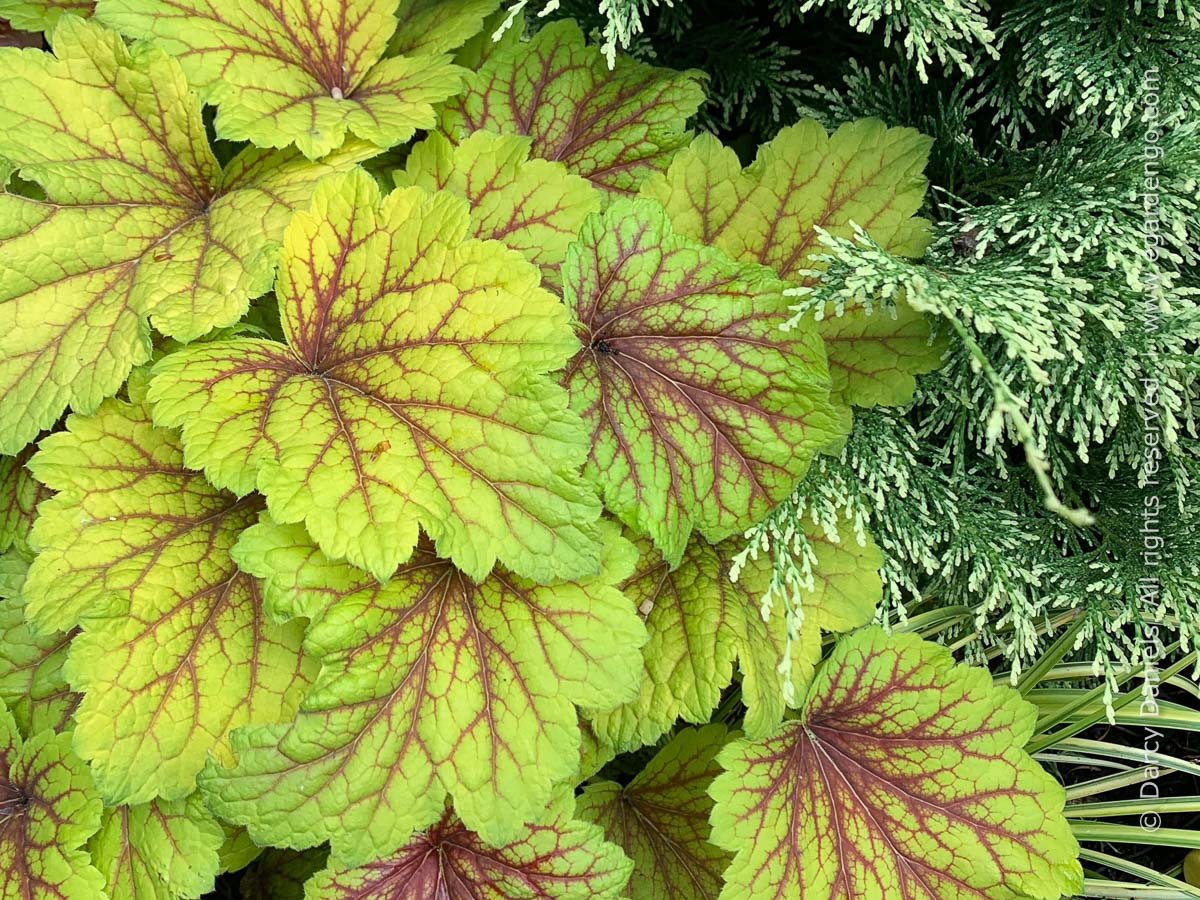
x: 704, y: 413
x: 864, y: 173
x: 408, y: 393
x: 903, y: 778
x: 48, y: 810
x: 163, y: 850
x: 175, y: 649
x: 304, y: 74
x: 562, y: 859
x: 432, y: 685
x: 612, y: 125
x: 660, y: 819
x: 135, y: 220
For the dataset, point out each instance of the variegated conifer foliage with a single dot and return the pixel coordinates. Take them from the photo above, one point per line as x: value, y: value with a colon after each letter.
x: 379, y: 506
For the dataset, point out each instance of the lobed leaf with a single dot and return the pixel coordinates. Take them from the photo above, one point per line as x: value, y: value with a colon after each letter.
x: 703, y: 413
x: 20, y: 494
x: 430, y: 27
x: 409, y: 393
x: 175, y: 650
x: 163, y: 850
x: 903, y: 777
x: 613, y: 126
x: 700, y: 622
x: 32, y: 683
x: 282, y: 874
x: 134, y: 220
x: 532, y: 205
x: 42, y: 15
x: 660, y: 818
x: 562, y: 858
x: 48, y: 810
x: 304, y: 74
x: 432, y: 685
x: 864, y: 173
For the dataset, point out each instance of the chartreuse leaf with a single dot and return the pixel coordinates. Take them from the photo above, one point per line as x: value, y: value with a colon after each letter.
x: 175, y: 650
x: 429, y: 27
x: 866, y: 174
x: 137, y: 220
x: 281, y: 874
x: 161, y: 850
x: 41, y: 15
x: 409, y: 393
x: 238, y: 851
x: 48, y: 810
x: 904, y: 777
x: 704, y: 413
x: 562, y: 859
x: 660, y: 819
x: 613, y: 126
x: 32, y: 683
x: 303, y: 73
x: 700, y: 622
x: 534, y: 206
x: 431, y: 685
x: 20, y: 493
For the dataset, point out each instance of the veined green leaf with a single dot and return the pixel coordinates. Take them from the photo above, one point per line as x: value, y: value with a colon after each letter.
x: 703, y: 413
x: 304, y: 74
x: 163, y: 850
x: 48, y: 810
x: 32, y: 683
x: 660, y: 819
x: 700, y: 623
x: 409, y: 393
x: 432, y: 686
x: 42, y: 15
x: 864, y: 174
x: 562, y: 859
x: 138, y: 222
x: 903, y: 777
x: 175, y: 649
x: 613, y: 126
x: 532, y: 205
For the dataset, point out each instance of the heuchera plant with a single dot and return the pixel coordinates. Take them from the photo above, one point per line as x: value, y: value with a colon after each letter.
x: 384, y: 496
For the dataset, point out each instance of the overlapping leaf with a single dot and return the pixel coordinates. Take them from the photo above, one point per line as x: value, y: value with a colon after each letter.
x: 408, y: 394
x: 703, y: 412
x: 904, y: 778
x: 32, y: 683
x: 48, y: 810
x: 175, y: 649
x: 564, y: 859
x: 20, y: 493
x: 137, y: 220
x: 866, y: 174
x: 534, y: 206
x: 700, y: 623
x: 432, y: 685
x: 428, y: 27
x: 660, y: 819
x: 158, y: 851
x: 41, y: 15
x: 281, y: 874
x: 613, y: 126
x: 298, y: 73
